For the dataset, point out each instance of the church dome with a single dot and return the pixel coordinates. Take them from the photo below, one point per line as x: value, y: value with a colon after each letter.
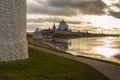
x: 63, y: 26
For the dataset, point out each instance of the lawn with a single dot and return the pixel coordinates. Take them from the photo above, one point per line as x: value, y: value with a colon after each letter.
x: 45, y: 66
x: 41, y: 44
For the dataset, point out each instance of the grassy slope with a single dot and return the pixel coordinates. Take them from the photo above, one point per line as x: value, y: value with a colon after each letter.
x: 40, y: 44
x: 45, y: 66
x: 32, y: 42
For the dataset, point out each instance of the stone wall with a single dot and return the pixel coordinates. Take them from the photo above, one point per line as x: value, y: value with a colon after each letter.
x: 13, y: 44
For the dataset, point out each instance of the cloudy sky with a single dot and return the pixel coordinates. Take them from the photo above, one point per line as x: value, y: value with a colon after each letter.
x: 92, y: 15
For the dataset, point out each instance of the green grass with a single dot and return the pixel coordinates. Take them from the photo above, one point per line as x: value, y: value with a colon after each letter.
x: 44, y: 66
x: 40, y: 44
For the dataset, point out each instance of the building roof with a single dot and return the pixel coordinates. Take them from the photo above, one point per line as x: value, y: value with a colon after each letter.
x: 37, y: 30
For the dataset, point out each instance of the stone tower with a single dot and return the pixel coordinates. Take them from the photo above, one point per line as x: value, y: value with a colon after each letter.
x: 13, y: 44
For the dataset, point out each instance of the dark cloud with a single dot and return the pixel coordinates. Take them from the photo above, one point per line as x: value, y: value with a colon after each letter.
x: 54, y: 20
x: 49, y: 10
x: 67, y: 7
x: 78, y: 22
x: 94, y: 7
x: 117, y: 56
x: 115, y: 14
x: 41, y: 20
x: 74, y: 22
x: 117, y: 4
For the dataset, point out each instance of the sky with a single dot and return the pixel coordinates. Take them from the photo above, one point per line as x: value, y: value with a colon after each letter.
x: 92, y: 15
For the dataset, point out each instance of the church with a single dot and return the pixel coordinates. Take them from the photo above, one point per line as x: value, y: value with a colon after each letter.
x: 37, y: 34
x: 63, y: 26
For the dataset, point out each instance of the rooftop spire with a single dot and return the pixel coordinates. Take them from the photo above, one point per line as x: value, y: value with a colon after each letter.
x: 37, y: 30
x: 54, y: 26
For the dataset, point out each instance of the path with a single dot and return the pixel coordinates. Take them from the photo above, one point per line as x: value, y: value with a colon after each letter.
x: 110, y: 70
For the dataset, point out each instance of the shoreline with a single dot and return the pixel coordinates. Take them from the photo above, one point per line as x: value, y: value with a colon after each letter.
x: 110, y: 70
x: 103, y: 60
x: 82, y: 35
x: 54, y: 47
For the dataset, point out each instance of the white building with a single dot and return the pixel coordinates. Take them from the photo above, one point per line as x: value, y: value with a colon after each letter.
x: 63, y: 26
x: 37, y: 34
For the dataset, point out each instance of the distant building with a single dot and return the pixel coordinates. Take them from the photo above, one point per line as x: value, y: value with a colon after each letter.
x: 30, y: 35
x: 47, y: 33
x: 61, y: 29
x: 37, y: 34
x: 63, y: 26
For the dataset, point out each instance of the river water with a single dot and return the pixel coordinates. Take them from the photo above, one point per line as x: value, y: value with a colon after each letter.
x: 105, y: 48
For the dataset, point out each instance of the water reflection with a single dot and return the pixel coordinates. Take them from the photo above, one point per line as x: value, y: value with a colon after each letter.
x: 107, y: 48
x: 61, y: 44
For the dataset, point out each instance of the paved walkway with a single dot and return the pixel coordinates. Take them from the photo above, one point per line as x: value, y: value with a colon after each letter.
x: 110, y: 70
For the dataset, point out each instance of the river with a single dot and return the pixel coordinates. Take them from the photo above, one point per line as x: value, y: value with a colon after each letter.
x: 105, y: 48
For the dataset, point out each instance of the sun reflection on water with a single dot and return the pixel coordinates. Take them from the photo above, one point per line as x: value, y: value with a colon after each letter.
x: 106, y: 50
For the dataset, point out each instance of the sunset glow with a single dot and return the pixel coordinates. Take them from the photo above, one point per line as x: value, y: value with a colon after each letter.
x: 110, y: 2
x: 80, y: 15
x: 105, y: 22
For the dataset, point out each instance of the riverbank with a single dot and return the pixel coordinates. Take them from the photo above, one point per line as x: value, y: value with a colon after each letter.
x: 105, y: 48
x: 71, y: 35
x: 53, y: 44
x: 110, y: 70
x: 42, y: 65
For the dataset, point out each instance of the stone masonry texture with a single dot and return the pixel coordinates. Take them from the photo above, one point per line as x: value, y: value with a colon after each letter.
x: 13, y: 44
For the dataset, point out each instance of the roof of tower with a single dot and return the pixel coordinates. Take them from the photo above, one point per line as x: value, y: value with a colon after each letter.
x: 63, y: 21
x: 54, y: 26
x: 37, y: 30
